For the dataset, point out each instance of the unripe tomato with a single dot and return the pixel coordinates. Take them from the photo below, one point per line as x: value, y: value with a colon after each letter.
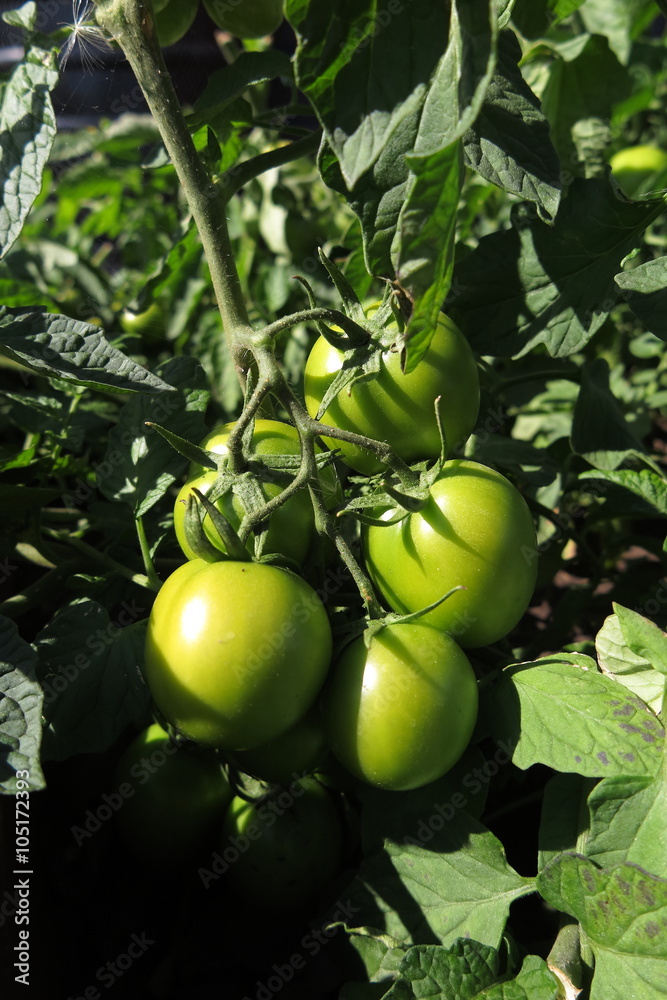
x: 285, y: 848
x: 236, y: 652
x: 291, y: 528
x: 246, y: 18
x: 301, y: 750
x: 398, y: 408
x: 172, y: 797
x: 640, y: 169
x: 400, y: 712
x: 174, y: 19
x: 475, y: 530
x: 149, y: 323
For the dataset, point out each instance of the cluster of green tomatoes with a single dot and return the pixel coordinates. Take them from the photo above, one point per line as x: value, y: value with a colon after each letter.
x: 241, y: 18
x: 241, y: 659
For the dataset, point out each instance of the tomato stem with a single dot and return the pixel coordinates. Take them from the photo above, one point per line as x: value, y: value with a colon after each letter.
x: 131, y: 23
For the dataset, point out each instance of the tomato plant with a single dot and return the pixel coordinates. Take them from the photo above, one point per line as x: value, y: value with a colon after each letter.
x: 400, y: 408
x: 246, y: 18
x: 401, y: 706
x: 639, y: 169
x: 173, y: 19
x: 474, y: 531
x: 236, y: 652
x: 174, y: 797
x: 285, y: 847
x: 149, y: 323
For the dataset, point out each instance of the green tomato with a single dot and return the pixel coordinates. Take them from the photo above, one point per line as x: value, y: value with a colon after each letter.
x: 149, y: 323
x: 301, y: 750
x: 171, y: 797
x: 639, y: 169
x: 236, y: 652
x: 246, y: 18
x: 284, y: 849
x: 400, y: 711
x: 174, y: 19
x: 398, y: 408
x: 475, y: 530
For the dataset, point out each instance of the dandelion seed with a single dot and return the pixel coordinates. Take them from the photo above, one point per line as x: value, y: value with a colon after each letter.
x: 85, y: 32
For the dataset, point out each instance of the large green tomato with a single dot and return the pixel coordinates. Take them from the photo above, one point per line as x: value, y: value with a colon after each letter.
x: 283, y: 849
x: 236, y: 652
x: 301, y: 750
x: 476, y: 531
x: 174, y: 19
x: 292, y: 526
x: 398, y: 408
x: 171, y: 797
x: 400, y: 712
x: 246, y: 18
x: 640, y: 169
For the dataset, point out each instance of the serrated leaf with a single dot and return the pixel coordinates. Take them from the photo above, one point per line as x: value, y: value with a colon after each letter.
x: 643, y: 637
x: 71, y: 350
x: 509, y: 143
x: 623, y: 912
x: 633, y: 670
x: 628, y: 818
x: 90, y: 674
x: 553, y: 285
x: 600, y: 432
x: 630, y: 492
x: 446, y: 878
x: 460, y: 972
x: 140, y: 465
x: 644, y: 288
x: 535, y: 981
x: 27, y: 131
x: 559, y: 712
x: 20, y: 712
x: 225, y: 86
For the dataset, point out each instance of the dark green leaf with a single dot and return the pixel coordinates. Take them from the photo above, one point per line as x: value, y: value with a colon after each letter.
x: 27, y: 131
x: 226, y: 85
x: 90, y: 674
x: 553, y: 285
x: 74, y: 351
x: 600, y: 432
x: 644, y: 288
x: 629, y: 492
x: 509, y: 143
x: 20, y: 712
x: 140, y: 465
x: 460, y: 972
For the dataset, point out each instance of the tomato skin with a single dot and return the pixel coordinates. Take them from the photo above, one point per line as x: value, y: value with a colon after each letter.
x: 476, y: 530
x: 149, y: 323
x: 400, y: 713
x: 398, y: 408
x: 285, y: 848
x: 236, y: 652
x: 174, y: 19
x: 301, y: 750
x: 175, y: 797
x: 246, y: 18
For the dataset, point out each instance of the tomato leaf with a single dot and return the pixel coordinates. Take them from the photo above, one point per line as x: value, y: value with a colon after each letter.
x: 644, y: 288
x: 623, y: 913
x: 71, y: 350
x: 629, y: 823
x: 20, y: 711
x: 627, y: 665
x: 600, y: 432
x: 509, y: 142
x: 629, y: 492
x: 140, y: 465
x: 554, y: 285
x: 563, y: 816
x: 560, y: 711
x: 27, y: 131
x: 90, y: 674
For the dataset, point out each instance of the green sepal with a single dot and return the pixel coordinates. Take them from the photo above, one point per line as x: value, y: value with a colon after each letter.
x: 233, y: 545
